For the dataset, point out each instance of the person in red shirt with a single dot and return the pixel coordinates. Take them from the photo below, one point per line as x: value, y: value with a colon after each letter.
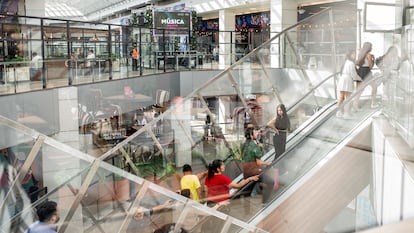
x: 219, y: 185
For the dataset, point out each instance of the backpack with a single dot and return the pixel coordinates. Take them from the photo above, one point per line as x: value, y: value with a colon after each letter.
x: 379, y: 61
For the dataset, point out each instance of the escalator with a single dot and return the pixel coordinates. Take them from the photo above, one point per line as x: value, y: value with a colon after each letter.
x: 328, y: 153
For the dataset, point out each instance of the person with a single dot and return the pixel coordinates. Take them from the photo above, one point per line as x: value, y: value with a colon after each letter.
x: 219, y: 185
x: 191, y: 182
x: 207, y: 127
x: 71, y: 64
x: 216, y: 53
x: 191, y: 222
x: 141, y: 212
x: 135, y: 55
x: 167, y: 228
x: 365, y: 62
x: 389, y: 65
x: 406, y: 67
x: 90, y: 62
x: 251, y: 153
x: 12, y: 216
x: 251, y: 161
x: 48, y: 215
x: 280, y: 125
x: 140, y: 119
x: 36, y: 67
x: 346, y: 83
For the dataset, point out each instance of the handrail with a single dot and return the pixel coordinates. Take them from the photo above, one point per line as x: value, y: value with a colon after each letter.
x: 312, y: 91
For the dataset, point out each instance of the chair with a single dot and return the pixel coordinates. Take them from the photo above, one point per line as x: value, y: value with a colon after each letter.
x: 162, y: 99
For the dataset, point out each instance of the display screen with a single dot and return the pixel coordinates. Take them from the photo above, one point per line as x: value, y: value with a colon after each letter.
x: 172, y: 23
x: 375, y: 20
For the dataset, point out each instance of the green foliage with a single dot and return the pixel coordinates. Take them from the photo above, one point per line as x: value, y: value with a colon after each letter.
x: 148, y: 18
x: 134, y: 19
x: 17, y: 59
x: 194, y: 34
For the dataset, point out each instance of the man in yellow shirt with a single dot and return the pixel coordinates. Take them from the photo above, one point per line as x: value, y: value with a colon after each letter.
x: 190, y: 182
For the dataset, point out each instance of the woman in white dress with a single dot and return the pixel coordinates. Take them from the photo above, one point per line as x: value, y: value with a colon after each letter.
x: 346, y: 83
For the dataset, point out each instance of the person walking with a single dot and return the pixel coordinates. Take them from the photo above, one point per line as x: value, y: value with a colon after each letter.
x: 280, y: 125
x: 48, y: 217
x: 253, y: 165
x: 135, y: 56
x: 90, y: 62
x: 365, y: 62
x: 36, y: 67
x: 346, y: 84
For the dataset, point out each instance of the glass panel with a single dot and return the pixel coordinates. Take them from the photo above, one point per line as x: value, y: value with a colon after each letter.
x: 219, y: 86
x: 93, y: 195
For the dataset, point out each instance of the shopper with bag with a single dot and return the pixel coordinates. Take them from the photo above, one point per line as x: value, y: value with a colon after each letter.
x: 253, y: 165
x: 365, y: 63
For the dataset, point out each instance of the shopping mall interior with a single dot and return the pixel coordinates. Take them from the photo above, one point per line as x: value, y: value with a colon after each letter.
x: 105, y: 103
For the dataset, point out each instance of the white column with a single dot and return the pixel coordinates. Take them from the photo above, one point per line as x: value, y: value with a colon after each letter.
x: 68, y: 116
x: 282, y: 14
x: 226, y: 40
x: 57, y: 163
x: 224, y: 113
x: 180, y: 122
x: 35, y: 8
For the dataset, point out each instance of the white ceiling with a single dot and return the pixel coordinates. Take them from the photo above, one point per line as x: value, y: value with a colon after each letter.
x: 95, y: 10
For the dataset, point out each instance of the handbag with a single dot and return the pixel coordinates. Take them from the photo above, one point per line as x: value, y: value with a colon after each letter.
x: 251, y: 169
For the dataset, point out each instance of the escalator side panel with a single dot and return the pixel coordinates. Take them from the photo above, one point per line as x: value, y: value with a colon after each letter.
x: 313, y: 205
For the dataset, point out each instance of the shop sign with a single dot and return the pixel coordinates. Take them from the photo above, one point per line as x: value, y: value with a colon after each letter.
x: 173, y: 23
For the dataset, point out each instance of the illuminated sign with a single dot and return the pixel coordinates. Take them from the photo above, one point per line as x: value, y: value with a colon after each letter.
x: 171, y: 23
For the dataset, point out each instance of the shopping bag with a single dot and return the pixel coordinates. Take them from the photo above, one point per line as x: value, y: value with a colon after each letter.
x: 276, y: 179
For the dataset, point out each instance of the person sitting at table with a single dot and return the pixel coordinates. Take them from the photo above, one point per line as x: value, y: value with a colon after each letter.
x: 140, y: 118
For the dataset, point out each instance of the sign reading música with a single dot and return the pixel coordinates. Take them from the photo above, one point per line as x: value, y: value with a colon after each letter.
x: 174, y: 23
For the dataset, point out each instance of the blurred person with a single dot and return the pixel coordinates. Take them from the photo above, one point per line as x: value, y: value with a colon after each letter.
x: 141, y: 212
x: 365, y: 63
x: 216, y: 53
x: 346, y: 83
x: 144, y: 223
x: 48, y: 215
x: 135, y: 56
x: 13, y: 197
x: 36, y: 67
x: 406, y: 67
x: 72, y: 64
x: 140, y: 119
x: 90, y: 62
x: 280, y: 125
x: 389, y: 65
